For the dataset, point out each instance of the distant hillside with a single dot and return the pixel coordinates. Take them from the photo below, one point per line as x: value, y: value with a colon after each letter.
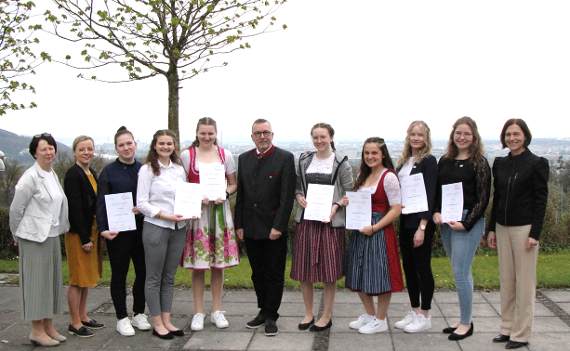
x: 16, y: 146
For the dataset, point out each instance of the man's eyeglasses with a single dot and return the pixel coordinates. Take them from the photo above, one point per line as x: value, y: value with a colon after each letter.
x: 265, y: 133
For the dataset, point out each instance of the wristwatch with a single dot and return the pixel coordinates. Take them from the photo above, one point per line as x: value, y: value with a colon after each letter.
x: 422, y: 227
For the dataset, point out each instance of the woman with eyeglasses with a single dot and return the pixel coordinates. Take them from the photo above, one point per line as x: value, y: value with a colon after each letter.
x: 82, y: 243
x: 211, y: 241
x: 465, y: 166
x: 38, y: 215
x: 373, y: 263
x: 318, y: 247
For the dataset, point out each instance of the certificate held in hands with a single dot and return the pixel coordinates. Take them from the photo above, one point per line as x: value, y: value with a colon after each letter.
x: 414, y: 197
x: 120, y: 216
x: 452, y: 202
x: 188, y: 200
x: 359, y: 210
x: 212, y: 181
x: 319, y: 202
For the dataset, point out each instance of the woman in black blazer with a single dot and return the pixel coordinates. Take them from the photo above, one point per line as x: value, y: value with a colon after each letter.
x: 82, y: 243
x: 417, y: 229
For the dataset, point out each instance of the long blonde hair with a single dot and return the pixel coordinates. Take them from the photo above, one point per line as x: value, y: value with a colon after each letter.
x: 425, y: 151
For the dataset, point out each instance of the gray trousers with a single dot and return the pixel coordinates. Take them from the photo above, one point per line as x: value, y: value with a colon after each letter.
x: 163, y: 249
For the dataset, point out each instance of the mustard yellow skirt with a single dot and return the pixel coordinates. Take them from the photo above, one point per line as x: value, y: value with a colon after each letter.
x: 85, y: 268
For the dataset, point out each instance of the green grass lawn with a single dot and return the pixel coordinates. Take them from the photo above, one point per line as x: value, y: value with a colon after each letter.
x: 552, y: 272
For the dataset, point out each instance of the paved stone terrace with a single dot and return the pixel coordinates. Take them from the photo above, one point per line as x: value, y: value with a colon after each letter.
x: 551, y: 325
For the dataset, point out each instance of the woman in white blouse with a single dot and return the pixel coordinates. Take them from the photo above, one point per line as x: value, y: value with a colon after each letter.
x: 164, y: 231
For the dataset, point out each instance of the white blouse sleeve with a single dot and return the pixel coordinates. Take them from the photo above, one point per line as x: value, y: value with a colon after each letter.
x: 144, y: 186
x: 392, y: 188
x: 230, y: 164
x: 185, y: 159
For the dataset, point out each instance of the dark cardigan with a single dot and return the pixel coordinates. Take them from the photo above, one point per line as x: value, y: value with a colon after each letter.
x: 265, y: 193
x: 82, y: 202
x: 428, y: 168
x: 521, y: 191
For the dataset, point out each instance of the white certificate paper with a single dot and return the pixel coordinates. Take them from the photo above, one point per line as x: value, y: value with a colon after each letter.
x: 120, y: 216
x: 319, y: 202
x: 359, y: 210
x: 414, y: 197
x: 451, y: 202
x: 212, y: 180
x: 188, y: 200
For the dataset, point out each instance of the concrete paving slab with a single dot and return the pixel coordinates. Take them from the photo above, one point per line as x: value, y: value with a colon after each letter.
x: 486, y: 324
x: 450, y: 310
x: 240, y: 309
x: 295, y: 296
x: 550, y: 325
x: 424, y: 342
x: 539, y: 310
x: 548, y: 341
x: 219, y: 341
x: 187, y: 295
x: 346, y: 296
x: 282, y: 342
x: 293, y: 309
x: 400, y: 310
x: 557, y: 295
x: 360, y: 342
x: 9, y: 293
x: 480, y: 341
x: 242, y: 296
x: 491, y: 296
x: 565, y: 307
x: 97, y: 297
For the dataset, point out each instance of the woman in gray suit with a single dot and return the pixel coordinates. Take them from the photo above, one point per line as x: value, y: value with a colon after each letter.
x: 38, y: 215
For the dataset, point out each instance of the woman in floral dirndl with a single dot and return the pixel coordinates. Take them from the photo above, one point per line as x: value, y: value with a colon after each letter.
x: 211, y: 241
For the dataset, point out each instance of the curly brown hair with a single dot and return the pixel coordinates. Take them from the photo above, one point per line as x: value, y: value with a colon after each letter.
x: 152, y: 157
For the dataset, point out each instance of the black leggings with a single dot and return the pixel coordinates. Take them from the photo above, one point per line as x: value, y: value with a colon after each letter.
x: 123, y: 248
x: 417, y: 266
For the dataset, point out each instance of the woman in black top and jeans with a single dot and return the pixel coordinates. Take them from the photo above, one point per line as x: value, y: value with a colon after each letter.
x: 519, y: 206
x: 417, y: 229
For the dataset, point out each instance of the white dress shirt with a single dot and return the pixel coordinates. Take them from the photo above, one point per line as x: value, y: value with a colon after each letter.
x: 155, y: 194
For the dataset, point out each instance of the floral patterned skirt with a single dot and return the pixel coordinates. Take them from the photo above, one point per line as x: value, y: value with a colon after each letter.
x: 211, y: 240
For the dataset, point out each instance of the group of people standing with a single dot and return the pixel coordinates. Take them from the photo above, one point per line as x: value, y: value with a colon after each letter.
x: 267, y: 187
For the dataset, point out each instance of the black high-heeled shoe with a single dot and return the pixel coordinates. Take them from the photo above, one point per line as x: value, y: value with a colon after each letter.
x: 454, y: 336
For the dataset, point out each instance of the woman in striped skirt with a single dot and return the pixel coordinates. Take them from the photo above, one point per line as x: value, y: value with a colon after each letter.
x: 373, y: 263
x: 318, y: 247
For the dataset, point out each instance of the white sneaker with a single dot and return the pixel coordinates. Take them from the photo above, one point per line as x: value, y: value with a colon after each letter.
x: 374, y: 326
x: 219, y: 320
x: 361, y: 321
x: 141, y: 322
x: 124, y: 327
x: 419, y: 324
x: 409, y: 318
x: 198, y: 322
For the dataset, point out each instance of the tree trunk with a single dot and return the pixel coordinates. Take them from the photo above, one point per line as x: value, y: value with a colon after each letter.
x: 173, y: 103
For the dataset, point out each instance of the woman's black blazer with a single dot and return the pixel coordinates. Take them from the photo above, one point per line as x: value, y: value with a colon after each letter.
x: 82, y: 202
x: 428, y: 167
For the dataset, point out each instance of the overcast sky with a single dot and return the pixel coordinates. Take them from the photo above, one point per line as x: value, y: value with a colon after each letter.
x: 369, y: 68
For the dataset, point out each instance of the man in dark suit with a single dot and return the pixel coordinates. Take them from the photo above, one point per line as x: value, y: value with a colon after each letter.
x: 265, y: 194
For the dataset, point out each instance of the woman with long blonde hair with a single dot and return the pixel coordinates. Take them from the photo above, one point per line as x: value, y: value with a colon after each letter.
x: 417, y: 229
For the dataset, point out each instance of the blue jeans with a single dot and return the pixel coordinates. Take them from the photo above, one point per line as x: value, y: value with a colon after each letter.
x: 460, y: 246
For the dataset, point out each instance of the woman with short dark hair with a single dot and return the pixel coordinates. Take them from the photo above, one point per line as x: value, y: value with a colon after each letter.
x: 519, y: 206
x: 38, y: 215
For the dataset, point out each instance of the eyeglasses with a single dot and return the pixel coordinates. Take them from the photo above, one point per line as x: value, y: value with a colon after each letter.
x: 265, y: 133
x: 45, y: 135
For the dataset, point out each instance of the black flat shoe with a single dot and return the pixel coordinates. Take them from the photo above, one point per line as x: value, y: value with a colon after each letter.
x: 167, y: 336
x: 449, y: 330
x: 454, y: 336
x: 515, y: 344
x: 501, y: 338
x: 305, y: 326
x: 93, y: 324
x: 178, y: 332
x: 316, y: 328
x: 81, y: 332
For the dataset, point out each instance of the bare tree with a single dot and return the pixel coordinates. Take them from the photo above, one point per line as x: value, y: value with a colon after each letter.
x: 172, y: 38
